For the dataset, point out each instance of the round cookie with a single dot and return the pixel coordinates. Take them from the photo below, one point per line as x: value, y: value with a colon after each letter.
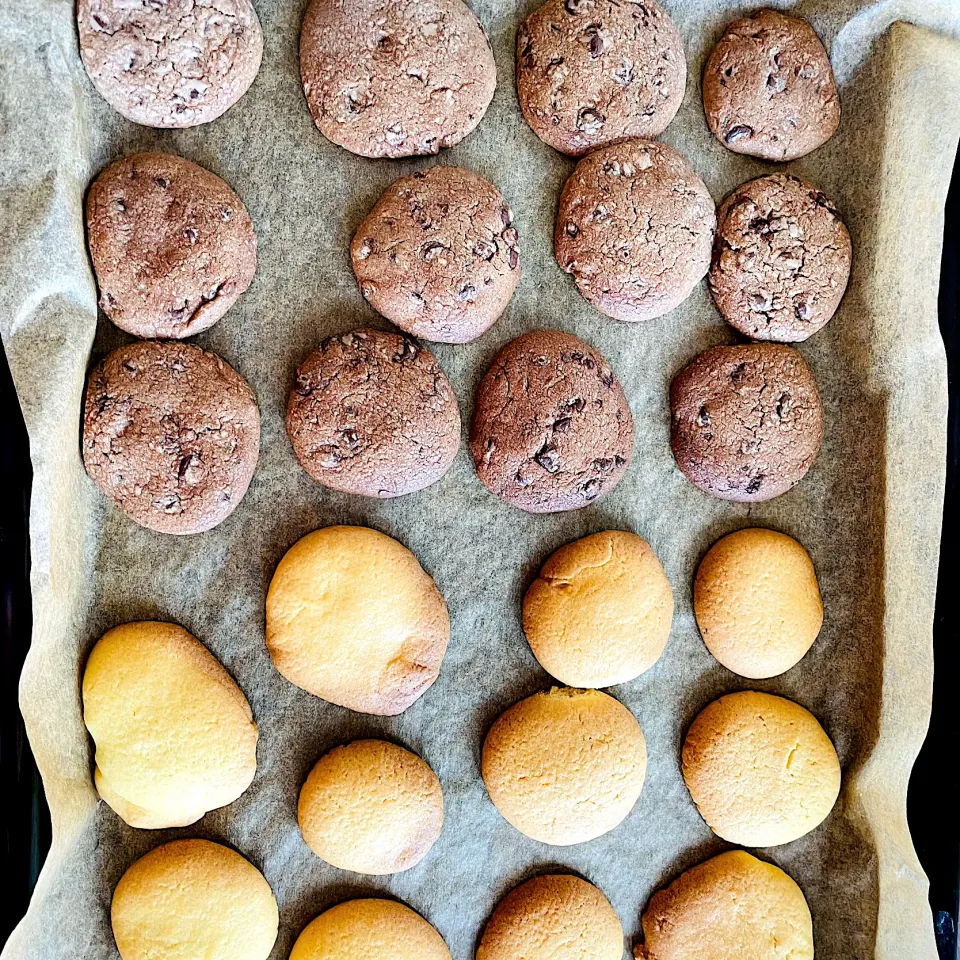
x: 591, y: 72
x: 371, y: 807
x: 635, y: 228
x: 768, y: 88
x: 600, y: 611
x: 353, y: 618
x: 552, y: 429
x: 439, y: 255
x: 171, y: 434
x: 395, y: 78
x: 194, y: 898
x: 172, y: 64
x: 372, y: 413
x: 747, y: 421
x: 554, y: 917
x: 565, y: 766
x: 781, y: 259
x: 370, y: 929
x: 760, y: 769
x: 757, y: 602
x: 174, y: 734
x: 172, y: 245
x: 731, y: 906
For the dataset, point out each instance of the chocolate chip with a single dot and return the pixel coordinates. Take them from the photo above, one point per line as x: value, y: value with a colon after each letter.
x: 776, y: 83
x: 596, y: 44
x: 783, y: 405
x: 591, y: 489
x: 572, y: 230
x: 562, y: 425
x: 351, y: 439
x: 330, y: 457
x: 625, y: 74
x: 408, y: 351
x: 120, y: 206
x: 366, y: 248
x: 740, y: 132
x: 190, y: 234
x: 802, y: 310
x: 703, y: 418
x: 548, y: 456
x: 161, y: 182
x: 485, y: 249
x: 754, y: 485
x: 302, y: 386
x: 526, y: 54
x: 576, y: 7
x: 506, y: 216
x: 511, y: 236
x: 432, y: 250
x: 169, y: 503
x: 590, y: 121
x: 513, y: 258
x: 577, y: 404
x: 227, y: 214
x: 467, y: 293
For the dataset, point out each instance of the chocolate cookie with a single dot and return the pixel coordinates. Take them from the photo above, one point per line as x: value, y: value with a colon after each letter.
x: 781, y: 259
x: 372, y: 413
x: 171, y: 434
x: 395, y: 78
x: 439, y: 255
x: 172, y: 64
x: 768, y: 88
x: 552, y: 429
x: 747, y: 421
x: 591, y: 72
x: 172, y: 245
x: 635, y: 229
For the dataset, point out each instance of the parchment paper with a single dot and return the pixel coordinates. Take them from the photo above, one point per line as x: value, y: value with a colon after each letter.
x: 869, y: 510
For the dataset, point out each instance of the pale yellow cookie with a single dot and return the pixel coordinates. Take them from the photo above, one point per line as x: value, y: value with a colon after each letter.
x: 371, y: 807
x: 600, y: 611
x: 757, y: 602
x: 174, y: 734
x: 555, y: 917
x: 353, y: 618
x: 370, y: 930
x: 565, y: 766
x: 760, y: 769
x: 191, y: 899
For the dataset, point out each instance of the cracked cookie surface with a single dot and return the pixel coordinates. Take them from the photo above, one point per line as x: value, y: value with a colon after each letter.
x: 552, y: 429
x: 635, y: 229
x: 372, y: 413
x: 439, y: 255
x: 591, y: 72
x: 172, y: 245
x: 171, y: 434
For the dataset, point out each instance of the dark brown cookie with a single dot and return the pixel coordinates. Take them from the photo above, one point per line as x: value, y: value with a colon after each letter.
x: 552, y: 429
x: 768, y: 88
x: 171, y: 434
x: 395, y: 78
x: 781, y: 259
x: 172, y: 245
x: 175, y: 63
x: 439, y: 255
x: 372, y: 413
x: 635, y: 229
x: 592, y: 72
x: 747, y: 421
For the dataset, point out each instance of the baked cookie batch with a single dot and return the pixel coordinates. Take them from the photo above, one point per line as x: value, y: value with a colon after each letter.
x: 171, y: 435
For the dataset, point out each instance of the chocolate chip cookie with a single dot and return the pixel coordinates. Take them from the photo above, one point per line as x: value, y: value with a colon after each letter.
x: 552, y: 429
x: 591, y: 72
x: 172, y: 245
x: 439, y: 255
x: 395, y: 78
x: 781, y: 259
x: 768, y: 88
x: 178, y: 63
x: 747, y: 421
x: 635, y: 229
x: 372, y: 413
x: 171, y: 434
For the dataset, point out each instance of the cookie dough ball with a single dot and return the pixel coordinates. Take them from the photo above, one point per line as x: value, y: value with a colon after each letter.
x: 395, y: 78
x: 439, y: 255
x: 372, y: 413
x: 768, y: 88
x: 747, y: 421
x: 371, y: 807
x: 731, y: 906
x: 555, y: 917
x: 172, y: 245
x: 757, y: 602
x: 565, y: 766
x: 171, y: 434
x: 552, y: 429
x: 600, y: 611
x: 781, y: 259
x: 591, y: 72
x: 760, y: 769
x: 353, y: 618
x: 370, y: 930
x: 635, y: 229
x: 193, y: 898
x: 172, y: 64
